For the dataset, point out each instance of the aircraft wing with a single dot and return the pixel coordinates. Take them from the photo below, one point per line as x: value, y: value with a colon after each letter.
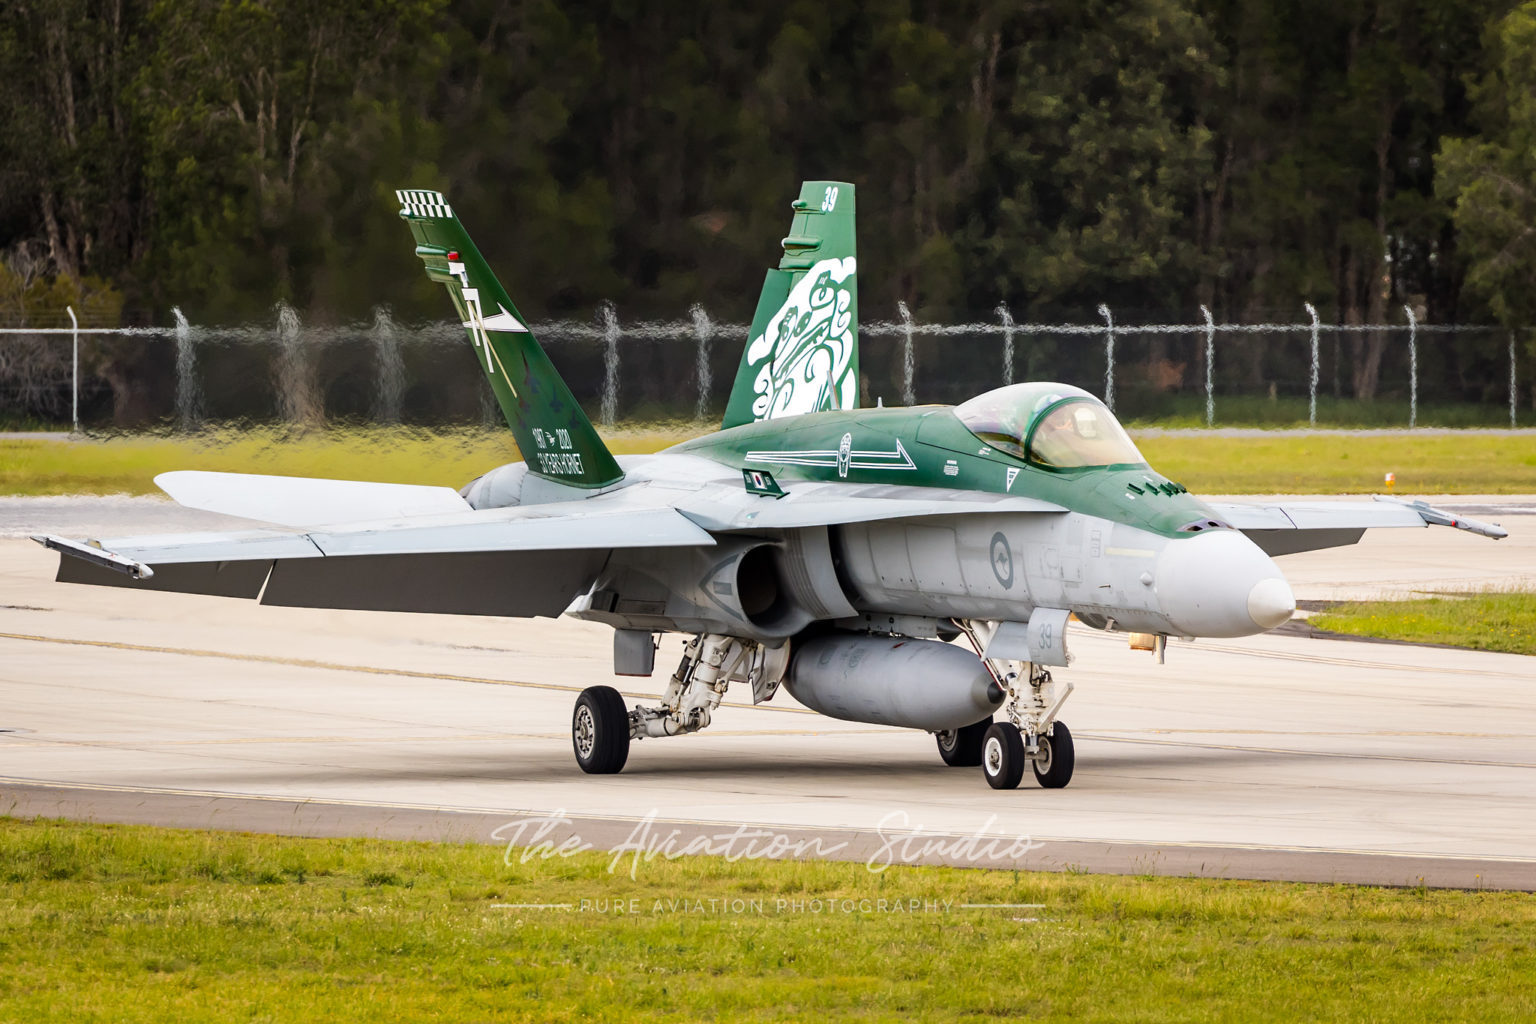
x: 515, y: 561
x: 832, y: 504
x: 1291, y: 527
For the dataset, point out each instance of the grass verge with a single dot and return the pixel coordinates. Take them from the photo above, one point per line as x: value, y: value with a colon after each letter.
x: 131, y: 923
x: 1496, y: 621
x: 128, y: 463
x: 1468, y: 463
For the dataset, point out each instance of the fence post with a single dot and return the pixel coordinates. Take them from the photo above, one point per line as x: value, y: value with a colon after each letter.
x: 1109, y: 356
x: 703, y: 330
x: 1312, y: 386
x: 1007, y: 319
x: 1210, y: 362
x: 1413, y: 368
x: 1511, y: 379
x: 908, y: 363
x: 189, y: 406
x: 610, y: 409
x: 74, y: 388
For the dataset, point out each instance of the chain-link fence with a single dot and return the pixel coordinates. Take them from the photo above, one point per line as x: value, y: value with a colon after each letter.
x: 1200, y: 373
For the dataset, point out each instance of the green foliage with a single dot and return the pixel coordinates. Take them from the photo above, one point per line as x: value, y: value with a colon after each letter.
x: 224, y: 155
x: 1491, y: 177
x: 30, y: 300
x: 252, y: 115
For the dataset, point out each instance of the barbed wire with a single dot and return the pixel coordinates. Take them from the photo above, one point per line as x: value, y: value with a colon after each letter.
x: 682, y: 330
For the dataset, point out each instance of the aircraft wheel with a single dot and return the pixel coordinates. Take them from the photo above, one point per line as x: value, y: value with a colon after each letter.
x: 961, y: 748
x: 1053, y: 766
x: 1002, y: 756
x: 600, y: 731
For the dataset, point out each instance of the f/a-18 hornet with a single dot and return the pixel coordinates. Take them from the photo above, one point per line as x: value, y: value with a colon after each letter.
x: 835, y: 550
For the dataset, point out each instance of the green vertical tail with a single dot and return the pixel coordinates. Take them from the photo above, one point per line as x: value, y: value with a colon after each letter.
x: 803, y: 350
x: 552, y: 432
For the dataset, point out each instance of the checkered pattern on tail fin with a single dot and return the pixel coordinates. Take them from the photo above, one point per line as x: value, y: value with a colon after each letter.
x: 420, y: 202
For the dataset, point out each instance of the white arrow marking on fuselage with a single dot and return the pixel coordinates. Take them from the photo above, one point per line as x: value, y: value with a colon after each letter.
x: 502, y: 321
x: 833, y: 458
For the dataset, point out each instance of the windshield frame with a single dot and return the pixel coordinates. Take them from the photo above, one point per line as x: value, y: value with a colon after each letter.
x: 1039, y: 419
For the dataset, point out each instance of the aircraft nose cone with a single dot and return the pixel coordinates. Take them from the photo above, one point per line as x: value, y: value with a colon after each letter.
x: 1220, y: 583
x: 1270, y: 603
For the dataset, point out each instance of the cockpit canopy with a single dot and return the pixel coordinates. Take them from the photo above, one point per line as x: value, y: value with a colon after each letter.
x: 1055, y: 426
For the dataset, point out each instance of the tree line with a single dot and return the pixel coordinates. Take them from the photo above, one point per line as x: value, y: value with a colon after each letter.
x: 1158, y: 155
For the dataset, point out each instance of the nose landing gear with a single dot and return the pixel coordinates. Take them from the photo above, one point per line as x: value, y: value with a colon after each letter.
x: 1031, y: 733
x: 1004, y: 754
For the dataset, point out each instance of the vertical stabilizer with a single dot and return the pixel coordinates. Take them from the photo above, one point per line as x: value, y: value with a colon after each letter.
x: 554, y: 435
x: 803, y: 349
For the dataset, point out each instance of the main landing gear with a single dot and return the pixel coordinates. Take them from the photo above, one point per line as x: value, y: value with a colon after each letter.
x: 602, y: 727
x: 600, y: 731
x: 1031, y: 735
x: 961, y: 748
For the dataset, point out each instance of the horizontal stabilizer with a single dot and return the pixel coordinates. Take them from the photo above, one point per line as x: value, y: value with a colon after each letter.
x: 305, y: 501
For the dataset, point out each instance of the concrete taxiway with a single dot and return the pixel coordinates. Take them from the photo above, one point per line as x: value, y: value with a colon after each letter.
x: 1280, y: 756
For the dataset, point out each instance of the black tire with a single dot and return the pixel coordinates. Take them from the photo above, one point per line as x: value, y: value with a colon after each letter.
x: 1002, y: 756
x: 1053, y: 767
x: 600, y: 731
x: 961, y: 748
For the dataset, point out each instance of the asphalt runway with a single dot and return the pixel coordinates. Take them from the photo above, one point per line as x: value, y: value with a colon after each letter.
x: 1280, y: 756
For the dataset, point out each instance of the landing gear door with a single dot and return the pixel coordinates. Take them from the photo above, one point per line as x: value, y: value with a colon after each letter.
x: 1048, y: 636
x: 1042, y: 640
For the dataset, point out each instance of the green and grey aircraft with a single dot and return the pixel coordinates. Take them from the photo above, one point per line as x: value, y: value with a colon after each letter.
x: 838, y: 551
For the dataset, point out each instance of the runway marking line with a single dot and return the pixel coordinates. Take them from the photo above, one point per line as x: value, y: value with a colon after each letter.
x: 1340, y: 754
x: 141, y: 744
x: 452, y: 677
x: 705, y: 822
x: 331, y: 666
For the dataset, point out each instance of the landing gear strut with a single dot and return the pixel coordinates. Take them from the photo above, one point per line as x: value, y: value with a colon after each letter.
x: 1031, y: 734
x: 601, y: 727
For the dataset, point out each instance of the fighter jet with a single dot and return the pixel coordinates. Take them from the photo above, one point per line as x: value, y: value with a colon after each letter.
x: 915, y: 567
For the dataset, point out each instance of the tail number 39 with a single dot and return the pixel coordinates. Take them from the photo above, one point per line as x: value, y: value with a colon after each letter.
x: 829, y: 201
